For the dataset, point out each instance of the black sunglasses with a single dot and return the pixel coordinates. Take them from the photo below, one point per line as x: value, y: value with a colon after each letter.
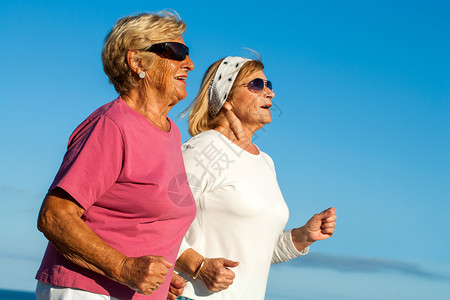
x: 257, y: 85
x: 170, y: 50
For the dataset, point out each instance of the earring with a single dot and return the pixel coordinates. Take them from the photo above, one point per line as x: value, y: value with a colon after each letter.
x: 142, y: 75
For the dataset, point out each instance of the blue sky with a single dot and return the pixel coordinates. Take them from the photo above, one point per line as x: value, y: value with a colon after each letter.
x: 362, y: 123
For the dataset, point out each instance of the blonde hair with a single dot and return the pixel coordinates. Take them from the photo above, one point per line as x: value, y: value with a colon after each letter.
x: 135, y: 33
x: 200, y: 119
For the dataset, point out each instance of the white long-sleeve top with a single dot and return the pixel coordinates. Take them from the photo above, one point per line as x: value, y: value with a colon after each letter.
x: 241, y: 215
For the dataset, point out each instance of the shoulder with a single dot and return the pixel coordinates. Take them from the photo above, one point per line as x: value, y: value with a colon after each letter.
x: 97, y: 122
x: 109, y: 112
x: 201, y: 141
x: 268, y: 159
x: 107, y: 108
x: 118, y: 111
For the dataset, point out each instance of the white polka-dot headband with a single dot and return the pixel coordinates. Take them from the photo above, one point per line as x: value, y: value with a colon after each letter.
x: 223, y: 81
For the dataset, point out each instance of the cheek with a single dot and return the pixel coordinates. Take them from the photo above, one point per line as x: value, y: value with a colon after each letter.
x: 169, y: 73
x: 252, y: 111
x: 249, y: 110
x: 253, y: 105
x: 161, y: 75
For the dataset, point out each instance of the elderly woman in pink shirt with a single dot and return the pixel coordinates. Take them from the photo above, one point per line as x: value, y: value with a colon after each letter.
x: 120, y: 205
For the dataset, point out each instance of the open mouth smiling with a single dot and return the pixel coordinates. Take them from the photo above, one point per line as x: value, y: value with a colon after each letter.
x: 183, y: 78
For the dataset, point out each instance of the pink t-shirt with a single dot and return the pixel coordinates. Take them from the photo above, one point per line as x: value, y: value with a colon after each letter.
x: 130, y: 178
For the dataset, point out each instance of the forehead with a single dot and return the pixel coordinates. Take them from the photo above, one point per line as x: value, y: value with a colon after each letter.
x: 178, y: 40
x: 259, y: 74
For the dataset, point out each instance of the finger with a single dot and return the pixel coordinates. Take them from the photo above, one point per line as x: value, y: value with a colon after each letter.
x: 328, y: 231
x: 148, y: 291
x: 155, y: 286
x: 217, y: 287
x: 174, y: 291
x: 233, y: 120
x: 156, y: 280
x: 159, y: 269
x: 229, y: 263
x: 227, y: 274
x: 171, y: 296
x: 227, y: 106
x: 162, y: 269
x: 163, y: 260
x: 226, y: 284
x: 177, y: 281
x: 330, y: 211
x: 326, y: 213
x: 328, y: 225
x: 331, y: 219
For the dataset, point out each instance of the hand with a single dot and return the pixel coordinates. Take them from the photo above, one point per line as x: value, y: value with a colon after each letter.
x: 177, y: 285
x: 234, y: 122
x: 216, y: 274
x: 144, y: 274
x: 319, y: 227
x: 242, y: 134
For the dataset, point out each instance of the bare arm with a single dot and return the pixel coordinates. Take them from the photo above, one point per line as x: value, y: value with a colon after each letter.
x: 60, y: 221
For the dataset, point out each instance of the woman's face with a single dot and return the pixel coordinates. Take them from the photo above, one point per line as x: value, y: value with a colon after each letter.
x: 169, y: 77
x: 252, y: 109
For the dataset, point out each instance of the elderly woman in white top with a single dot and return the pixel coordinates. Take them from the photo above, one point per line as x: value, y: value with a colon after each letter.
x: 241, y: 214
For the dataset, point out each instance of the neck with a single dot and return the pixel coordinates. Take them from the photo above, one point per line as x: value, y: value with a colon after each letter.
x: 150, y: 106
x: 241, y: 136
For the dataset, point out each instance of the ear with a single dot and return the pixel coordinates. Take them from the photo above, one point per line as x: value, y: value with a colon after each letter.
x: 133, y: 61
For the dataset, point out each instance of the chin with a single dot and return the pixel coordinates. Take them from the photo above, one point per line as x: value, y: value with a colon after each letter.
x: 267, y: 120
x: 176, y: 97
x: 175, y: 102
x: 182, y: 96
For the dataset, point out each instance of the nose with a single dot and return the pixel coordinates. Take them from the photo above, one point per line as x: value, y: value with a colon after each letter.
x: 268, y: 93
x: 188, y: 64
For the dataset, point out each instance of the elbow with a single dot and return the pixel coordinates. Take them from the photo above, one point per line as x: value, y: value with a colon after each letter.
x: 56, y: 214
x: 43, y: 221
x: 40, y: 225
x: 48, y: 216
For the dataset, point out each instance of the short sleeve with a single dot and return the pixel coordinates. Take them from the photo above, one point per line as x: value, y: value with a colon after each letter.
x: 93, y: 160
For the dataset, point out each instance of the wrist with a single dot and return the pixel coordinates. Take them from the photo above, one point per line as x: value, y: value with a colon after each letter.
x: 199, y: 268
x: 189, y: 261
x: 300, y: 238
x: 120, y: 272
